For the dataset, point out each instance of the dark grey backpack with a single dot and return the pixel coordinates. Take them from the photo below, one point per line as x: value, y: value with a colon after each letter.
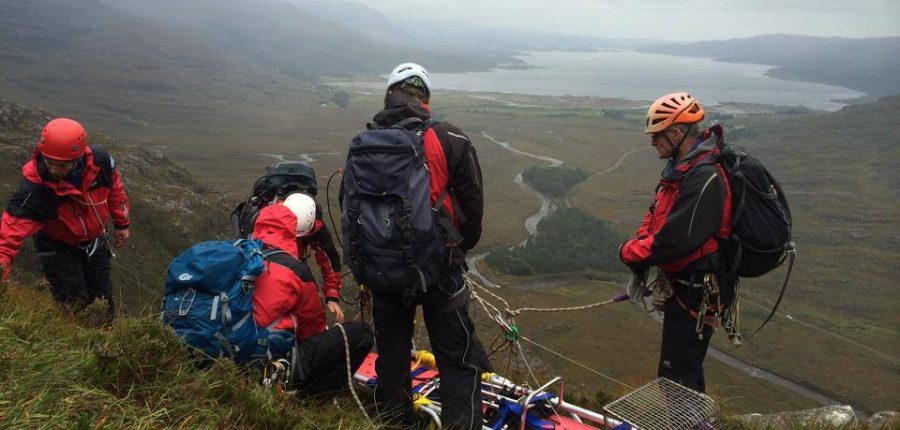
x: 395, y: 242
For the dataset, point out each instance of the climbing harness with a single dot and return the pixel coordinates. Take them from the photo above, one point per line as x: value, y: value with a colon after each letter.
x: 660, y: 290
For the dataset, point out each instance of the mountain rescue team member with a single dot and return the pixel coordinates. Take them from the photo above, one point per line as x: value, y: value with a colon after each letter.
x: 69, y: 194
x: 298, y: 298
x: 319, y: 242
x: 290, y: 293
x: 679, y: 235
x: 451, y: 159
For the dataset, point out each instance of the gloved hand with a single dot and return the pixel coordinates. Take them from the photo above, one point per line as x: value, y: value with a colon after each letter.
x: 637, y: 286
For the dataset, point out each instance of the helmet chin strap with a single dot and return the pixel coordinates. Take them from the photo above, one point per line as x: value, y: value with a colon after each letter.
x: 676, y: 148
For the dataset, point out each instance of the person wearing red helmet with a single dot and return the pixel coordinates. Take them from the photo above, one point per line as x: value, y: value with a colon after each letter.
x: 680, y: 234
x: 70, y: 192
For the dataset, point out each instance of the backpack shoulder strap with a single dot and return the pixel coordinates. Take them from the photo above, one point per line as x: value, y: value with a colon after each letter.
x: 102, y: 159
x: 420, y: 124
x: 281, y: 258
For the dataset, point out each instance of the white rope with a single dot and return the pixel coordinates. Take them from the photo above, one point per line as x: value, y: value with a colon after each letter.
x: 571, y: 308
x: 511, y: 312
x: 582, y: 365
x: 506, y: 327
x: 350, y: 372
x: 537, y: 383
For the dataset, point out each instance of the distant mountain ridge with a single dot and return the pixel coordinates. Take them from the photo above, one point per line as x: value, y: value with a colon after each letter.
x: 869, y: 65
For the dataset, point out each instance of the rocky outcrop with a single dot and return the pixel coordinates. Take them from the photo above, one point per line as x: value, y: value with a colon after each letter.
x: 829, y: 417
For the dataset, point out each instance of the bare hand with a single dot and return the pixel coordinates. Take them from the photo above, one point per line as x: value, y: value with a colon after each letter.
x: 121, y: 238
x: 335, y: 308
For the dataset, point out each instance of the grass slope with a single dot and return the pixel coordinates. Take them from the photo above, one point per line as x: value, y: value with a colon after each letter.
x: 61, y: 371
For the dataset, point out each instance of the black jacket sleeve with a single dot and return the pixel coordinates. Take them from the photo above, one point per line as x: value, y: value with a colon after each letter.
x: 696, y: 216
x: 465, y: 181
x: 33, y: 201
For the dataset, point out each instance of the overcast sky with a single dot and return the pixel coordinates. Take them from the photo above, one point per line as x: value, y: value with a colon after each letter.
x: 665, y: 19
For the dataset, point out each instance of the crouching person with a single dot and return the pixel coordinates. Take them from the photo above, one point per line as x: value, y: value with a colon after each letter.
x: 288, y: 291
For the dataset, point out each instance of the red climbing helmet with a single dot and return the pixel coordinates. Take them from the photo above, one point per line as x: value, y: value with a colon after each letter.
x: 63, y: 139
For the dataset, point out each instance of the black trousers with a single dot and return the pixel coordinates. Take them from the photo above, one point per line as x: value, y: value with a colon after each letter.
x: 321, y: 359
x: 460, y: 357
x: 683, y: 349
x: 77, y: 275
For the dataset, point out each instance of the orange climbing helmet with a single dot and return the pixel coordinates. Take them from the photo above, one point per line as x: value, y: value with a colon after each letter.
x: 670, y: 109
x: 63, y: 139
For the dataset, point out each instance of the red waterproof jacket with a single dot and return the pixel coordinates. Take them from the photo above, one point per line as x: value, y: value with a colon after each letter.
x: 64, y: 212
x: 279, y: 292
x: 691, y: 210
x: 321, y: 245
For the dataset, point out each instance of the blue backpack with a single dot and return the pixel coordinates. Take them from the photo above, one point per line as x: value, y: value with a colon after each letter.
x: 396, y: 242
x: 209, y: 301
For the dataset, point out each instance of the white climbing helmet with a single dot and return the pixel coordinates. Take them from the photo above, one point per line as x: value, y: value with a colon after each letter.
x: 304, y: 208
x: 409, y: 70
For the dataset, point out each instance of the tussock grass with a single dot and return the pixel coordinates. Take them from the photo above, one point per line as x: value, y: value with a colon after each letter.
x: 64, y: 371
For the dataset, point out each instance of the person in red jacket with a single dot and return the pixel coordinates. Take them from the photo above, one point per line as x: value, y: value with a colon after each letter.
x: 279, y: 291
x: 69, y: 193
x: 289, y: 292
x: 318, y: 242
x: 680, y: 234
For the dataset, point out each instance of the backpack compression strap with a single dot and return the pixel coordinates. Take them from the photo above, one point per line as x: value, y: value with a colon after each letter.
x: 353, y: 246
x: 791, y: 253
x: 413, y: 273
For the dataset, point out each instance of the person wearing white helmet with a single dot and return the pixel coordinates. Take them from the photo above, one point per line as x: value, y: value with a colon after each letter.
x: 456, y: 190
x: 303, y: 207
x: 410, y: 77
x: 285, y: 297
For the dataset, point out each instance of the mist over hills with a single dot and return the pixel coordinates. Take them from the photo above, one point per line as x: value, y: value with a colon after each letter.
x: 870, y: 65
x: 146, y: 62
x: 449, y: 35
x: 280, y: 36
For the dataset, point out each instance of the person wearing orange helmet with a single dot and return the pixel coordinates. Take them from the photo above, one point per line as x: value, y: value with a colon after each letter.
x: 70, y: 191
x: 679, y: 235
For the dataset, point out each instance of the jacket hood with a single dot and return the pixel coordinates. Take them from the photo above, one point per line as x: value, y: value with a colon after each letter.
x: 35, y: 172
x: 276, y: 226
x: 393, y: 114
x: 708, y: 142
